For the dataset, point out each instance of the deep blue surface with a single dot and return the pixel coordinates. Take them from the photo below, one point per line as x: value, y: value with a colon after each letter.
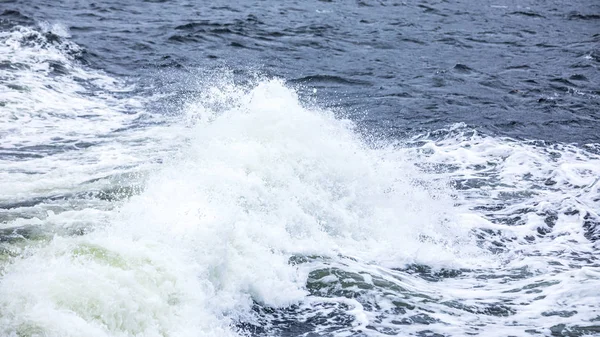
x: 526, y: 69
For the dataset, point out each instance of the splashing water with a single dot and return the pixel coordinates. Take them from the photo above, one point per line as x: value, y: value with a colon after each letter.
x: 261, y: 182
x: 273, y: 217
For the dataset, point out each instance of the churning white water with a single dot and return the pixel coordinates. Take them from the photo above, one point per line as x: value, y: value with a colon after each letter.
x: 215, y: 227
x: 251, y: 209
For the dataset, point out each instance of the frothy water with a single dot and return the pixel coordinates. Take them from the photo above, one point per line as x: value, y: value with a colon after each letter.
x: 49, y: 96
x: 253, y: 213
x: 261, y: 182
x: 66, y: 129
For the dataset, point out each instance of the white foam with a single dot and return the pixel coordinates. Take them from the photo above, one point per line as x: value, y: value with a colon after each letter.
x: 258, y: 178
x: 49, y: 119
x: 537, y: 184
x: 39, y: 107
x: 261, y: 180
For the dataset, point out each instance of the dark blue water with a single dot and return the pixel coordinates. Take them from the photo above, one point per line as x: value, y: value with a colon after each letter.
x: 526, y: 69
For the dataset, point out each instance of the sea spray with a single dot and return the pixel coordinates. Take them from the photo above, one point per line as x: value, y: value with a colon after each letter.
x: 214, y: 229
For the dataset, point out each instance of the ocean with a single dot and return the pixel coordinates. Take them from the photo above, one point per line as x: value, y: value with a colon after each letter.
x: 299, y: 168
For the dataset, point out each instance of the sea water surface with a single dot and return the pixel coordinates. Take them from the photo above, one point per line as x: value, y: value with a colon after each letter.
x: 299, y: 168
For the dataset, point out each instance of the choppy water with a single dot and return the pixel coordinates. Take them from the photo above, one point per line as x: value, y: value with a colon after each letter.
x: 370, y: 168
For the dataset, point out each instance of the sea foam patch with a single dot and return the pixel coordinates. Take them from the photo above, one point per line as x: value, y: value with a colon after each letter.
x: 260, y: 184
x: 65, y: 127
x: 273, y: 215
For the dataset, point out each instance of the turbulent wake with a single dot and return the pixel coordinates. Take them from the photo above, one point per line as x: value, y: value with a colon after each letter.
x: 250, y: 212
